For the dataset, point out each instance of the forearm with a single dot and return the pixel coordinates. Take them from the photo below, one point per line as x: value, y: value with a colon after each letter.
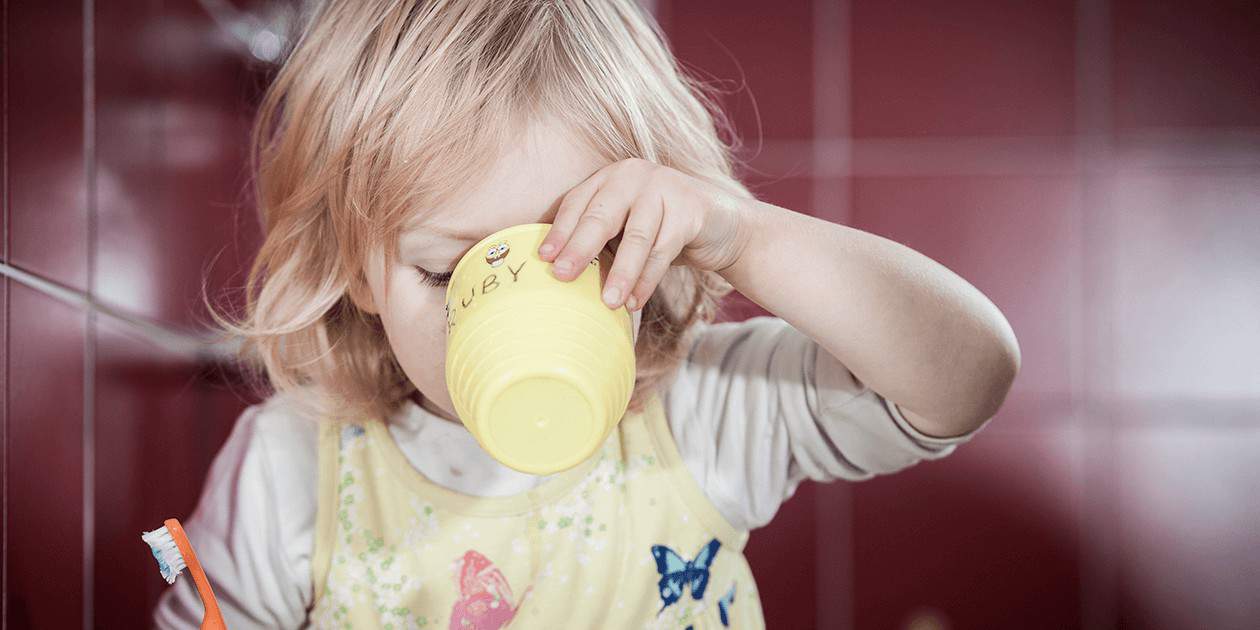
x: 906, y: 326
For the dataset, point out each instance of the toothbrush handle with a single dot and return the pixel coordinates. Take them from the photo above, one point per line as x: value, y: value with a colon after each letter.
x: 213, y: 619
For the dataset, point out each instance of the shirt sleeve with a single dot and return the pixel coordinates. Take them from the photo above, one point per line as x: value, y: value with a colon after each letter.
x: 252, y: 529
x: 755, y: 412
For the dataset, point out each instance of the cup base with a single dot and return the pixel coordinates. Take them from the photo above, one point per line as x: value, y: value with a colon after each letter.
x: 542, y: 425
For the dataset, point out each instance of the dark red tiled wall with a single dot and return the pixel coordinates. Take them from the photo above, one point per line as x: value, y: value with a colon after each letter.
x: 1091, y: 167
x: 44, y: 475
x: 173, y: 105
x: 124, y: 144
x: 44, y: 140
x: 971, y: 68
x: 1186, y: 65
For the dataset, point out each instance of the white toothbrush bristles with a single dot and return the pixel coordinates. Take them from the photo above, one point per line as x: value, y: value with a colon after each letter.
x: 170, y: 560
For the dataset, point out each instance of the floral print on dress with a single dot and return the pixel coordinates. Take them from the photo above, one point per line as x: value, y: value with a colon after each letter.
x: 422, y: 525
x: 370, y: 571
x: 394, y: 543
x: 574, y: 516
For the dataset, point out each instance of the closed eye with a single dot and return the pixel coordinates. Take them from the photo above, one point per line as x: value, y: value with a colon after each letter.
x: 433, y: 279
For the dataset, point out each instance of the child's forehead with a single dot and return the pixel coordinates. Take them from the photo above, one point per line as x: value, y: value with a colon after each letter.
x: 441, y: 224
x: 525, y: 184
x: 468, y: 223
x: 449, y: 231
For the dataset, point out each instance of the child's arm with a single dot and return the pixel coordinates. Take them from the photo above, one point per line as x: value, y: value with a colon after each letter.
x: 757, y: 407
x: 861, y: 322
x: 252, y: 528
x: 904, y: 325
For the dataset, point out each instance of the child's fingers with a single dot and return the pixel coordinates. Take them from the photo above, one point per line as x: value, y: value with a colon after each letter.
x: 633, y: 249
x: 567, y: 216
x: 670, y: 240
x: 603, y: 218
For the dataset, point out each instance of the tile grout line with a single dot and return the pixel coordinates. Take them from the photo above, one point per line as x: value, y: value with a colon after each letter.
x: 1015, y: 155
x: 1095, y: 154
x: 4, y: 440
x: 4, y: 122
x: 89, y: 337
x: 834, y: 604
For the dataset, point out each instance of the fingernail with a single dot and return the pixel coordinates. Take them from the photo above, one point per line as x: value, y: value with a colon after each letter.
x: 611, y: 295
x: 631, y: 303
x: 546, y: 249
x: 563, y: 266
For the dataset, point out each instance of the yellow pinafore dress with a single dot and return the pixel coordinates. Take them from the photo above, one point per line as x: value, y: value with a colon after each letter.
x: 625, y: 540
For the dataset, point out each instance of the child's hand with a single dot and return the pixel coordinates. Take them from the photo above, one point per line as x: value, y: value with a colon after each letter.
x: 666, y: 215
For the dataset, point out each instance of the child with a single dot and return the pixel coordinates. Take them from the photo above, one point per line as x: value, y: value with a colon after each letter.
x: 398, y: 134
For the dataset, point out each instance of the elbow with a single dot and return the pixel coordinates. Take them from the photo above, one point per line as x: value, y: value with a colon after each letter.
x: 997, y: 384
x: 991, y: 368
x: 983, y: 380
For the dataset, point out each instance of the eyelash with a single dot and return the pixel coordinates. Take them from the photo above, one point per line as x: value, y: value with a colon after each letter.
x: 434, y: 279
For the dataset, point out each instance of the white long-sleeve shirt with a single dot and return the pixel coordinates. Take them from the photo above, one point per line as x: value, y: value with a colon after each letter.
x: 751, y: 408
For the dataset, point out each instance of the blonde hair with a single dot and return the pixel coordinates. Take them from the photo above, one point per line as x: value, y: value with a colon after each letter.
x: 384, y: 106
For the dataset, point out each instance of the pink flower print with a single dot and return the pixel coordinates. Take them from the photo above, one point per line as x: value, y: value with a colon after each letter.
x: 485, y: 599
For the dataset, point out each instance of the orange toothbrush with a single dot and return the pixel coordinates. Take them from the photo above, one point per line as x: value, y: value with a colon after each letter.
x: 174, y: 553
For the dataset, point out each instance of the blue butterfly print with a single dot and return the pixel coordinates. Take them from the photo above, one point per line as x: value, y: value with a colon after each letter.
x: 676, y: 572
x: 724, y: 606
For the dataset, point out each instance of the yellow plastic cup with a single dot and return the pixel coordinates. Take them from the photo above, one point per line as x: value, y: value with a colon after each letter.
x: 539, y: 370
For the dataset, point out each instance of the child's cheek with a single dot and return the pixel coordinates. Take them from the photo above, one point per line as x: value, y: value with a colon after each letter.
x: 415, y: 318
